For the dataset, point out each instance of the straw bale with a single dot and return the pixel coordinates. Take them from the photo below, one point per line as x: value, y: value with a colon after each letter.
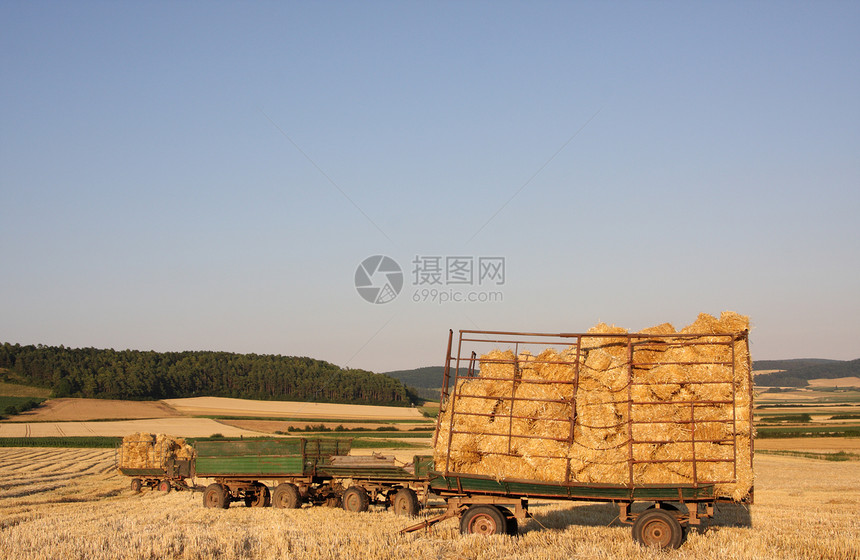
x: 663, y: 431
x: 712, y: 472
x: 656, y: 413
x: 527, y: 365
x: 656, y: 473
x: 706, y: 431
x: 499, y: 364
x: 555, y: 366
x: 713, y: 412
x: 150, y: 451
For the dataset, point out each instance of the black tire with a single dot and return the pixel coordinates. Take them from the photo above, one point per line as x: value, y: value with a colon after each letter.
x: 658, y: 527
x: 513, y: 527
x: 136, y: 484
x: 483, y: 520
x: 355, y: 499
x: 164, y: 486
x: 258, y: 496
x: 286, y: 495
x: 406, y: 502
x: 215, y: 496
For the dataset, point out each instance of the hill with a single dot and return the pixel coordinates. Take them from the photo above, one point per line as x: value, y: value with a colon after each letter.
x: 783, y: 365
x: 797, y: 373
x: 425, y: 381
x: 143, y: 375
x: 423, y: 378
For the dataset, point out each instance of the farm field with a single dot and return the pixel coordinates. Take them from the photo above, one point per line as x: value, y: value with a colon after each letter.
x: 819, y: 444
x: 178, y: 426
x: 220, y: 406
x: 70, y: 504
x: 81, y: 410
x: 273, y: 426
x: 836, y: 382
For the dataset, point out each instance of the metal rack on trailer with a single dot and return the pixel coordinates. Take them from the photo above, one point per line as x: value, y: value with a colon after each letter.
x: 490, y: 504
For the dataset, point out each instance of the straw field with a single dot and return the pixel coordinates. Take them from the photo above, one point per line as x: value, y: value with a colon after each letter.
x: 70, y: 504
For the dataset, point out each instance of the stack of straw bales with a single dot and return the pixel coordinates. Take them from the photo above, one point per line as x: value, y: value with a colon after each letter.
x: 541, y: 417
x: 152, y: 451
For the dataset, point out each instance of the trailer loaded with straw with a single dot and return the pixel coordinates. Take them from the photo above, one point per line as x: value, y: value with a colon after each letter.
x: 156, y: 461
x: 657, y: 416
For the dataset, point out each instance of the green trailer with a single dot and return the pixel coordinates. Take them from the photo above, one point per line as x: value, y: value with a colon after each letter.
x: 305, y: 471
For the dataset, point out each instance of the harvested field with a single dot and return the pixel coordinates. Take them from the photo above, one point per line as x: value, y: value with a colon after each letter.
x: 179, y: 426
x: 219, y: 406
x: 16, y: 390
x: 63, y: 504
x: 837, y: 382
x: 820, y: 444
x: 81, y: 410
x: 272, y: 426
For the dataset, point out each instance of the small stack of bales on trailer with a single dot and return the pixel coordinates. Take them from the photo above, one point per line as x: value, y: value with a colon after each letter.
x: 152, y: 451
x: 655, y: 407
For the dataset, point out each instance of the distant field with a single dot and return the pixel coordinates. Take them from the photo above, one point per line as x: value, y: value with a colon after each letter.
x: 209, y: 406
x: 272, y: 426
x: 81, y: 410
x: 15, y: 390
x: 838, y: 382
x: 177, y: 426
x: 819, y: 445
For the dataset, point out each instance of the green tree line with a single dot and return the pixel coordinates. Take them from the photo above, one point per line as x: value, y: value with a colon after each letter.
x: 134, y: 374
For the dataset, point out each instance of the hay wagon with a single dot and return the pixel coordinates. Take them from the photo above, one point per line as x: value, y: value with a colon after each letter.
x: 658, y: 416
x: 306, y: 471
x: 155, y: 461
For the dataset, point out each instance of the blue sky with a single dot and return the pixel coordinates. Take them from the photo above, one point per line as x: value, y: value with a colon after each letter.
x: 198, y: 175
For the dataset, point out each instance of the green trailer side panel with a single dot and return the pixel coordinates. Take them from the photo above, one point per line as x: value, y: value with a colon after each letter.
x: 250, y: 465
x: 386, y: 473
x: 327, y: 447
x: 599, y: 492
x: 141, y: 472
x: 243, y: 448
x: 261, y: 457
x: 423, y: 465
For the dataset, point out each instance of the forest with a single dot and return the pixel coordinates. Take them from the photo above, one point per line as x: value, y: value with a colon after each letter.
x: 797, y: 373
x: 143, y: 375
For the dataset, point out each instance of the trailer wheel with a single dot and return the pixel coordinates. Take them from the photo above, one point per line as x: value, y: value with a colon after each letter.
x: 406, y: 502
x: 164, y: 486
x: 136, y: 484
x: 259, y: 497
x: 215, y: 497
x: 483, y: 520
x: 355, y: 499
x: 657, y: 527
x: 287, y: 495
x: 512, y: 527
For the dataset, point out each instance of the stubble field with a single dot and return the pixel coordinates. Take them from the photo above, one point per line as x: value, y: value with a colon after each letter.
x: 69, y: 504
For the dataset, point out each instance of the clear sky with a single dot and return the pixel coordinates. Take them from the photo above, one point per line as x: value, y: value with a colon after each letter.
x: 210, y: 175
